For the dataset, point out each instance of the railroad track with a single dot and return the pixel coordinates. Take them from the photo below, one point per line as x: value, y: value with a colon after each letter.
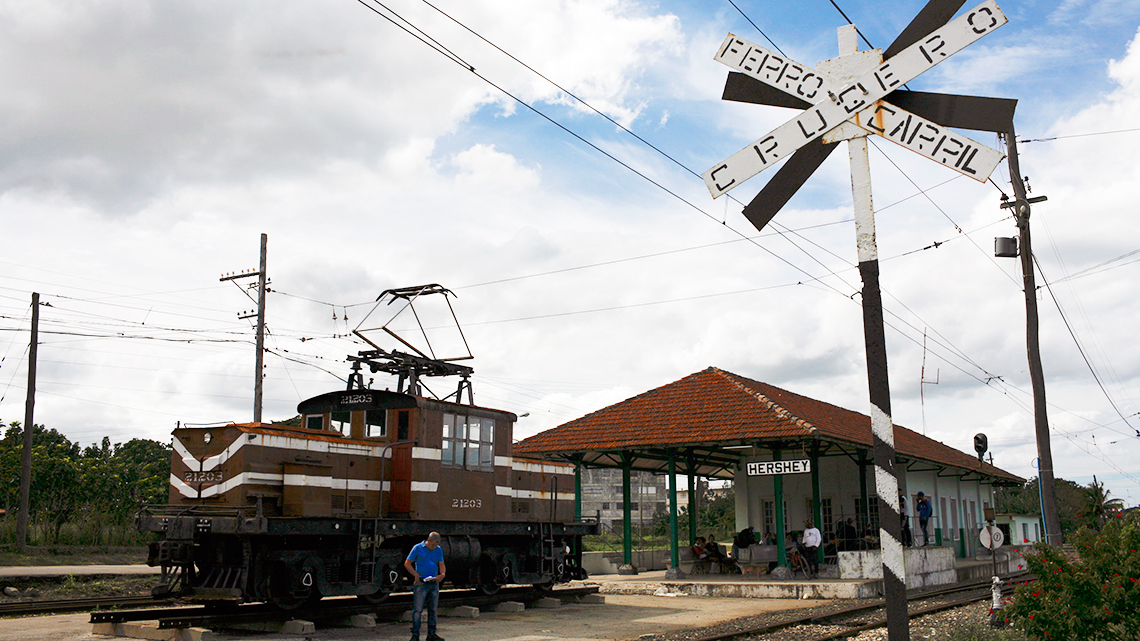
x: 871, y: 615
x: 24, y: 608
x: 327, y: 610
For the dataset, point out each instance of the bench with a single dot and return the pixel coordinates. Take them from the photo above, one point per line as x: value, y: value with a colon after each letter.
x: 689, y: 564
x: 756, y: 559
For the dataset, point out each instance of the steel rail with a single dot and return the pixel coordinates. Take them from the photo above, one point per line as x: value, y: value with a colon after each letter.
x: 346, y: 607
x: 873, y: 606
x: 21, y: 608
x: 333, y: 608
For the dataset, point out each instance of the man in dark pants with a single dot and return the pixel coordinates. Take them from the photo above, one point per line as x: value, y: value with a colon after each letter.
x: 924, y: 511
x: 425, y: 563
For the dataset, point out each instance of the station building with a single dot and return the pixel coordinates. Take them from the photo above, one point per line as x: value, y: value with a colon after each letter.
x: 810, y: 458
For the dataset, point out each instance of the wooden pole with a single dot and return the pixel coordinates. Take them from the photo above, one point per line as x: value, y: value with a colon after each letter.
x: 259, y: 374
x: 29, y: 421
x: 1033, y: 347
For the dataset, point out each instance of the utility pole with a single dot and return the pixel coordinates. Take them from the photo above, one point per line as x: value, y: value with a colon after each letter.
x: 1020, y: 207
x: 29, y: 418
x: 262, y: 283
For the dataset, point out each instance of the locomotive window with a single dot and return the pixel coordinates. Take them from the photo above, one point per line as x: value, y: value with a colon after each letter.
x: 341, y: 421
x: 375, y: 422
x: 468, y: 442
x: 315, y: 422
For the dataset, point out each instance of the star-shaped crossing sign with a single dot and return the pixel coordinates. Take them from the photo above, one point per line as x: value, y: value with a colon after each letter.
x: 862, y: 90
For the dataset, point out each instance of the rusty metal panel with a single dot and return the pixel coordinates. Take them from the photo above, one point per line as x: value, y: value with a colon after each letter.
x: 962, y: 112
x: 307, y: 489
x: 935, y: 14
x: 786, y: 182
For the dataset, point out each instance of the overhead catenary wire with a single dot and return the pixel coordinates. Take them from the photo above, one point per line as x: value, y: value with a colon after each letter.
x: 608, y: 155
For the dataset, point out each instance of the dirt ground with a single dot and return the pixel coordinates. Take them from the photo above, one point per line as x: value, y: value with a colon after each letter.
x: 620, y: 617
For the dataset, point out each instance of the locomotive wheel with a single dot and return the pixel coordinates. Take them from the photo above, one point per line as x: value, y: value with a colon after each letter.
x: 489, y: 589
x: 544, y: 588
x: 285, y: 598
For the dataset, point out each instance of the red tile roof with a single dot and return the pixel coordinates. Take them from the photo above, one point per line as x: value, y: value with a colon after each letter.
x: 714, y: 408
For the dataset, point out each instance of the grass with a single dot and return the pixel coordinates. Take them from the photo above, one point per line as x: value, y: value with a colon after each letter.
x: 73, y: 555
x: 75, y: 586
x: 82, y: 586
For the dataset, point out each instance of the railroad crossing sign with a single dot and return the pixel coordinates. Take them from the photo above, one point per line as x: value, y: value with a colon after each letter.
x: 858, y: 101
x: 848, y: 98
x: 948, y: 110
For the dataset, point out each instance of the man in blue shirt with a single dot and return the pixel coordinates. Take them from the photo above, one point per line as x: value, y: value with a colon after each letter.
x: 425, y: 563
x: 924, y: 512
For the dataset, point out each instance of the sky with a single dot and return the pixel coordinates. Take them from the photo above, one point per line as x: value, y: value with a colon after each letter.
x: 542, y: 161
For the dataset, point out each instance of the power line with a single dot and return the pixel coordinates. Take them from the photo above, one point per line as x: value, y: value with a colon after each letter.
x: 1077, y: 342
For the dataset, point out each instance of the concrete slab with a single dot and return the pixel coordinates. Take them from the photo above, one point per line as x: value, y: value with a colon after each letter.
x: 460, y: 612
x: 298, y: 626
x: 149, y: 631
x: 362, y: 621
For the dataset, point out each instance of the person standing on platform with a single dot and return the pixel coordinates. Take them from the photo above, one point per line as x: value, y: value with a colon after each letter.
x: 425, y: 563
x: 924, y: 511
x: 907, y: 540
x: 812, y: 539
x: 743, y: 540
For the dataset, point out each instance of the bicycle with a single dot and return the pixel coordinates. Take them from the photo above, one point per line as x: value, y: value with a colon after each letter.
x: 798, y: 562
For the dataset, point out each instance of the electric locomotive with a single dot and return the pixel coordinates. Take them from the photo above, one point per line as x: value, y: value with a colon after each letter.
x: 332, y: 506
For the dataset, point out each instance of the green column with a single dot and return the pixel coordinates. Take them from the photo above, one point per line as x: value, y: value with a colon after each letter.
x: 578, y: 490
x: 781, y: 534
x: 626, y: 517
x: 692, y: 464
x: 673, y: 527
x: 865, y: 512
x: 816, y: 503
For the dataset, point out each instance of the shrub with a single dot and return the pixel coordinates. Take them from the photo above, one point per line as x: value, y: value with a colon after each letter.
x: 1093, y: 598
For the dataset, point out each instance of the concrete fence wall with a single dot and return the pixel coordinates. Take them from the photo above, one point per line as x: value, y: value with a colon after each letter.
x: 609, y: 562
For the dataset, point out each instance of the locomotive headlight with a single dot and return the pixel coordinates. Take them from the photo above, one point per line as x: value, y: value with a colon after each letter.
x: 207, y: 437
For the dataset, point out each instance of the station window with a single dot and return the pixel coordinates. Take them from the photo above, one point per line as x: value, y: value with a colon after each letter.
x: 828, y: 515
x: 315, y: 422
x: 375, y: 423
x: 468, y: 442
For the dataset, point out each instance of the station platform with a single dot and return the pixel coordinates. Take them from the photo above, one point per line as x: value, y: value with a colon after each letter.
x: 826, y: 586
x: 654, y: 583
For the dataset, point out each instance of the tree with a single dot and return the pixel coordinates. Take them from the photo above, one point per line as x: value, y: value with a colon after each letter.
x: 1073, y: 502
x: 1093, y: 598
x: 716, y: 516
x: 1099, y: 507
x: 93, y: 488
